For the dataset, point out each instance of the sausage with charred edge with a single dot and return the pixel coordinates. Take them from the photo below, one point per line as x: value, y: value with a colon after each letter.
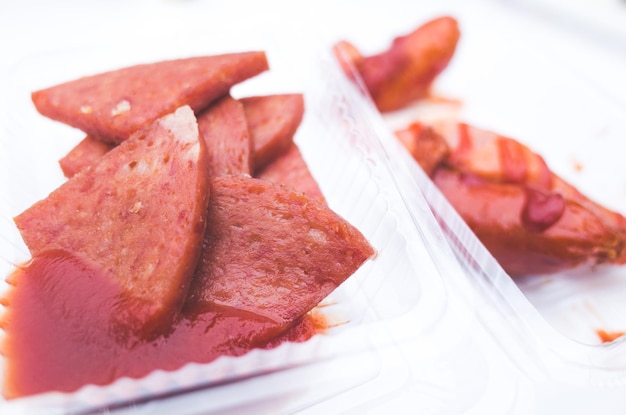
x: 530, y: 219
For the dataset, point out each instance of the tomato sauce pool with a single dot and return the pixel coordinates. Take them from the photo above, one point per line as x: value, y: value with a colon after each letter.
x: 67, y: 325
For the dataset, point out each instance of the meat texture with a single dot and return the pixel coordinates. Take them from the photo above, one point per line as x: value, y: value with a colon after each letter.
x: 138, y: 214
x: 110, y: 106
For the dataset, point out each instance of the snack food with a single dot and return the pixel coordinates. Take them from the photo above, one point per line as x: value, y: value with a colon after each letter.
x: 268, y: 255
x: 291, y: 170
x: 258, y: 276
x: 307, y: 246
x: 138, y: 215
x: 272, y: 121
x: 403, y: 73
x: 531, y: 220
x: 112, y: 105
x: 224, y: 129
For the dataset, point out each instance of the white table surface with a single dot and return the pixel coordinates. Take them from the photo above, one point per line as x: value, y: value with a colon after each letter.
x: 589, y: 36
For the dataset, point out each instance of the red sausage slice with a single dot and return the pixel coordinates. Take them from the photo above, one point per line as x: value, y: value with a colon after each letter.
x: 273, y: 121
x: 138, y: 215
x: 224, y: 128
x: 271, y: 251
x: 112, y: 105
x: 83, y: 154
x: 290, y: 169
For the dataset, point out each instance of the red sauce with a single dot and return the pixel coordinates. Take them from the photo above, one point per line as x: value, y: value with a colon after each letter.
x: 608, y: 336
x: 66, y: 327
x: 542, y: 209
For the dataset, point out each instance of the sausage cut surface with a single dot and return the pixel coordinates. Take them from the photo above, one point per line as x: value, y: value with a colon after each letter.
x: 138, y: 215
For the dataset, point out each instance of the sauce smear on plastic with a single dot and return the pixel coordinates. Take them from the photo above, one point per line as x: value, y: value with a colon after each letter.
x: 66, y: 326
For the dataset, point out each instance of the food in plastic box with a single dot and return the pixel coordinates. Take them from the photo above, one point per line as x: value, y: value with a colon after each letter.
x: 530, y: 219
x: 165, y: 251
x: 403, y: 73
x: 500, y: 80
x: 348, y: 164
x: 415, y: 326
x: 272, y: 121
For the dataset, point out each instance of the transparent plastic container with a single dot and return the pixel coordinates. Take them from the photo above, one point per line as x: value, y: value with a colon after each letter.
x: 507, y: 76
x: 432, y: 324
x: 403, y: 323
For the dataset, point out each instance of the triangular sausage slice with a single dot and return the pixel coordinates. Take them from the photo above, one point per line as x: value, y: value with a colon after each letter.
x: 112, y: 105
x: 224, y: 128
x: 290, y: 169
x: 85, y: 153
x: 271, y: 251
x: 222, y: 125
x: 270, y: 255
x: 138, y: 214
x: 273, y: 121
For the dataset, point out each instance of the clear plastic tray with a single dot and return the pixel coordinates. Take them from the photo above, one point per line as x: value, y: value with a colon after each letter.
x: 403, y: 325
x: 508, y: 79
